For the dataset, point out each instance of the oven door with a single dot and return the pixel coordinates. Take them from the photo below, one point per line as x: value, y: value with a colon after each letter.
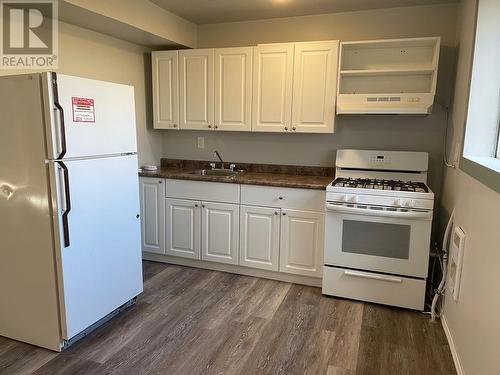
x: 378, y: 239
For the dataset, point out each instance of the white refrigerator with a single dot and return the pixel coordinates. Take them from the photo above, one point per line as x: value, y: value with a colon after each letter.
x: 70, y: 254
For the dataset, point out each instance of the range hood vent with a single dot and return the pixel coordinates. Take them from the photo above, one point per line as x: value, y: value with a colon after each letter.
x: 392, y: 76
x: 385, y: 104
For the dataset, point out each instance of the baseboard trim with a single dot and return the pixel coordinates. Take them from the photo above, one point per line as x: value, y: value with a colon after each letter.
x: 295, y: 279
x: 453, y: 348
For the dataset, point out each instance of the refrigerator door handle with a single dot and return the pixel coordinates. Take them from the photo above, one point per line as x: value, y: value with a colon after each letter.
x: 67, y: 204
x: 60, y: 110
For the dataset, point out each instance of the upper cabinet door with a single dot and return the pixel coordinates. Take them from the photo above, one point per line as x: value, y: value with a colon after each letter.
x: 196, y: 76
x: 233, y: 88
x: 272, y: 87
x: 314, y: 87
x: 165, y: 90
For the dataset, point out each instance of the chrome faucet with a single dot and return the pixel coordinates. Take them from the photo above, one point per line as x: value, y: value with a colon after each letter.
x: 217, y: 155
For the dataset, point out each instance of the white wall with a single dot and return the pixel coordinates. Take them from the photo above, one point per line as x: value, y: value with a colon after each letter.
x: 89, y: 54
x: 473, y: 321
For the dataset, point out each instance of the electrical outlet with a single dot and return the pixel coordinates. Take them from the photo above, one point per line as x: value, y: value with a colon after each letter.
x: 201, y: 142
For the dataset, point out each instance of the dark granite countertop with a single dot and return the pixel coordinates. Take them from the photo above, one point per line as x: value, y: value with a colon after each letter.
x: 254, y: 174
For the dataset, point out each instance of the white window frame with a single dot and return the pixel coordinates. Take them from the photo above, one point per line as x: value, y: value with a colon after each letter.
x: 498, y: 142
x: 481, y: 143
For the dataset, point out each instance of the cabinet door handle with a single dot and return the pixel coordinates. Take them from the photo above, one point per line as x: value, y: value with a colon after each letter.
x: 276, y: 213
x: 159, y: 182
x: 373, y: 277
x: 210, y: 126
x: 215, y: 126
x: 196, y: 205
x: 284, y: 213
x: 286, y: 127
x: 203, y: 206
x: 280, y: 198
x: 294, y: 128
x: 174, y: 125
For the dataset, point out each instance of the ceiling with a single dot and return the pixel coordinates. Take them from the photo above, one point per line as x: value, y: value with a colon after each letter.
x: 216, y: 11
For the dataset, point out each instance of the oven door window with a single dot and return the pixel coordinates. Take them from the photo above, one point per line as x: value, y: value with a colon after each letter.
x: 378, y: 239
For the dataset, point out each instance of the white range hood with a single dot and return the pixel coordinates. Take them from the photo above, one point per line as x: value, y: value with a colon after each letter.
x: 392, y: 76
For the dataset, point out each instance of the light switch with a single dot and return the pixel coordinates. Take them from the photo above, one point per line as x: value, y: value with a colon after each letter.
x: 201, y: 142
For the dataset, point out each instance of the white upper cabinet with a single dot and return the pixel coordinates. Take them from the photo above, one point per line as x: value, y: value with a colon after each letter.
x: 302, y: 242
x: 220, y: 231
x: 196, y: 87
x: 314, y: 87
x: 233, y: 88
x: 165, y: 90
x: 281, y: 87
x: 152, y: 198
x: 393, y: 76
x: 272, y: 87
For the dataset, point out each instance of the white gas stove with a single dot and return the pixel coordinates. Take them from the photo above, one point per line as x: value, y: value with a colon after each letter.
x: 378, y: 225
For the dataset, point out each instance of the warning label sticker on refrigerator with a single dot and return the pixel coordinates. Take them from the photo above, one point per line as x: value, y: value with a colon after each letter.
x: 83, y: 110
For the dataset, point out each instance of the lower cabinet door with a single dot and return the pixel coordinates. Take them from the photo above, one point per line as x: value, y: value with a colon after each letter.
x: 259, y: 237
x: 183, y: 235
x: 152, y: 197
x: 302, y: 242
x: 220, y: 232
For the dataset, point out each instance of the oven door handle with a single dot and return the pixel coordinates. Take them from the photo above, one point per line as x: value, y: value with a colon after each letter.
x: 373, y: 277
x: 380, y: 213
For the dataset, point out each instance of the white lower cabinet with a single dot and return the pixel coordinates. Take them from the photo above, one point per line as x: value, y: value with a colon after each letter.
x: 273, y: 229
x: 302, y: 242
x: 152, y: 195
x: 183, y: 232
x: 220, y: 232
x: 259, y: 237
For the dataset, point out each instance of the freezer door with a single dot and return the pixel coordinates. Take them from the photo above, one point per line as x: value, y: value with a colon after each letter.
x: 91, y: 117
x: 29, y: 309
x: 100, y: 248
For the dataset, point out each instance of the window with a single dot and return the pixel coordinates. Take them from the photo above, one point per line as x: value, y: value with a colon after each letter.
x: 498, y: 142
x: 481, y: 150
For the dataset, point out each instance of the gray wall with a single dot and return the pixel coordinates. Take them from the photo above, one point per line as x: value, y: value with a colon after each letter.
x: 473, y: 321
x: 395, y: 132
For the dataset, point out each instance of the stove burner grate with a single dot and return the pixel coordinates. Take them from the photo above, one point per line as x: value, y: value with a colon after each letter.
x: 380, y: 184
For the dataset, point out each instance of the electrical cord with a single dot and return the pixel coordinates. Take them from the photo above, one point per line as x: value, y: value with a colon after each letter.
x: 440, y: 291
x: 445, y: 151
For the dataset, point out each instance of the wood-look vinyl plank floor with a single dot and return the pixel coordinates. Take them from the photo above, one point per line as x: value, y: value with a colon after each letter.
x: 193, y: 321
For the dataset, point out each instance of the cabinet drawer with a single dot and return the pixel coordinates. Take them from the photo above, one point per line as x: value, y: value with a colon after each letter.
x: 269, y: 196
x: 374, y: 287
x: 203, y: 191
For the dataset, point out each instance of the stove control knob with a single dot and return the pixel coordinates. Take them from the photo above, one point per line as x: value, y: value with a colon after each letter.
x: 397, y: 202
x: 411, y: 203
x: 342, y: 198
x: 354, y: 199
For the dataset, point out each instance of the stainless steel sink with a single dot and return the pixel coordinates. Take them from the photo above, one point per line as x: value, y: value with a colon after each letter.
x: 215, y: 172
